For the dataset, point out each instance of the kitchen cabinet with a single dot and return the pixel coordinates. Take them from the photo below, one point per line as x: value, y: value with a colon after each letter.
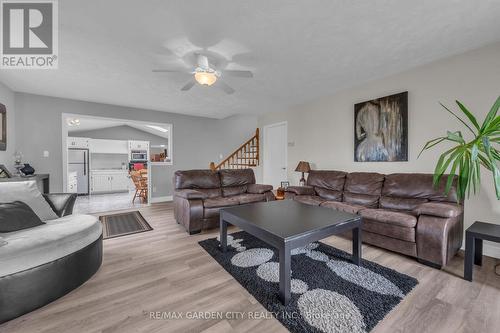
x: 100, y: 146
x: 138, y: 145
x: 109, y: 181
x: 76, y: 142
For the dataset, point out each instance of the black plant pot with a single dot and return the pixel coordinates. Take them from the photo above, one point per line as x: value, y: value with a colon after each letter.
x: 27, y: 170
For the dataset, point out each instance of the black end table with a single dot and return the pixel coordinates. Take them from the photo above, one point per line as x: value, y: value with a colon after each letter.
x: 474, y: 236
x: 288, y: 224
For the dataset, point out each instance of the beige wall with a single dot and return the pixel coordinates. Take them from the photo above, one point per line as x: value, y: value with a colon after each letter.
x: 322, y: 131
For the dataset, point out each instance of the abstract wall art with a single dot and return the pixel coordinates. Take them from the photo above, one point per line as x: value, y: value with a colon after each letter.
x: 381, y: 129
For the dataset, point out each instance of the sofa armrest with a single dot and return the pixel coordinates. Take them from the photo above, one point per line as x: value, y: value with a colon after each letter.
x: 301, y: 190
x: 439, y: 209
x: 189, y: 213
x: 438, y: 238
x: 61, y: 203
x: 191, y: 194
x: 259, y: 188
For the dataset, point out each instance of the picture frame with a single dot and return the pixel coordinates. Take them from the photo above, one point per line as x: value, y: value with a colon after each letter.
x: 4, y: 172
x: 285, y: 184
x: 381, y: 129
x: 3, y: 127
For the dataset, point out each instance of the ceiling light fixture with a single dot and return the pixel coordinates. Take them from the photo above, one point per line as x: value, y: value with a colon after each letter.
x: 158, y: 128
x: 205, y: 77
x: 73, y: 122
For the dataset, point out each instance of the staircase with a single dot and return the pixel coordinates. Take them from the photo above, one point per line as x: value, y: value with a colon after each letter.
x: 246, y: 156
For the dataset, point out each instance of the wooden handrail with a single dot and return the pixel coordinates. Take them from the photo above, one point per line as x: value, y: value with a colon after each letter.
x: 232, y: 159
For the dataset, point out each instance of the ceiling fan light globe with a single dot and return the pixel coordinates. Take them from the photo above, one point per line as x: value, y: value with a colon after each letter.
x: 205, y: 78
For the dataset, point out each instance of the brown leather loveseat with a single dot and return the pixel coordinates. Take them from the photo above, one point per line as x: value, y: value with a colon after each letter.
x: 402, y: 212
x: 200, y: 194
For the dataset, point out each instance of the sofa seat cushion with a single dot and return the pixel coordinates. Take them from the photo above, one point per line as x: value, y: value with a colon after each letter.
x: 313, y: 200
x: 390, y: 217
x: 342, y: 206
x: 401, y: 203
x: 249, y: 198
x: 55, y: 239
x: 389, y: 230
x: 220, y: 202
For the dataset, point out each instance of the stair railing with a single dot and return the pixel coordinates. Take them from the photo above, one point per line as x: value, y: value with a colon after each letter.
x: 246, y: 156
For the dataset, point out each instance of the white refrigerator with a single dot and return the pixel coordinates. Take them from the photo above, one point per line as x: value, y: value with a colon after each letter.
x: 78, y: 161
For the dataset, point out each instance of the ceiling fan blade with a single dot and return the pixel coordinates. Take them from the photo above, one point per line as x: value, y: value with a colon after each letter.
x: 224, y: 86
x: 237, y: 73
x: 203, y: 61
x: 188, y: 85
x: 169, y: 71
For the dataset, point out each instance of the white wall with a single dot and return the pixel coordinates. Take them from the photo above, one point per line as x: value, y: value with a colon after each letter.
x: 7, y: 99
x: 322, y: 131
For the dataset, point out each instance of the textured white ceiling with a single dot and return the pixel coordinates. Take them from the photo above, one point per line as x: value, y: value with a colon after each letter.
x: 298, y: 50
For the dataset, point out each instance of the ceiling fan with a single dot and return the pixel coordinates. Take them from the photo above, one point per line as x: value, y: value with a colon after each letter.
x: 204, y: 74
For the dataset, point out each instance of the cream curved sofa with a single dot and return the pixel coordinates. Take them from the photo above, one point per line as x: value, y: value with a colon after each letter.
x: 41, y: 264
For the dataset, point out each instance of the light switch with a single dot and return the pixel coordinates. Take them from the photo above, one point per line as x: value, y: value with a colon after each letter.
x: 45, y: 153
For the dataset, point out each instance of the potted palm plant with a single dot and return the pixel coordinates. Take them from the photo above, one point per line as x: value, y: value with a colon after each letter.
x: 466, y: 157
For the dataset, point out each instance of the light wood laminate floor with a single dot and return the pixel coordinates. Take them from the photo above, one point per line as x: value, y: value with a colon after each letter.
x: 166, y: 270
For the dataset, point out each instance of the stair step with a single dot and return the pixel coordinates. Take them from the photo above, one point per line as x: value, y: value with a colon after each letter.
x: 244, y: 164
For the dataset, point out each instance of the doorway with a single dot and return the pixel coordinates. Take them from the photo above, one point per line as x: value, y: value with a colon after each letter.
x: 275, y: 153
x: 109, y: 162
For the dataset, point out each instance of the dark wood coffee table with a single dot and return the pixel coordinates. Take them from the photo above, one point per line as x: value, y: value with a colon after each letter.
x: 287, y: 225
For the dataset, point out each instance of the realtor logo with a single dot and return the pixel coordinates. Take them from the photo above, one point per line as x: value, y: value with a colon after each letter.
x: 29, y: 34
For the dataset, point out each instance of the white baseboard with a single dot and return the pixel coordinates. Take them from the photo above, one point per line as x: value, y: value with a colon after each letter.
x: 491, y: 250
x: 162, y: 199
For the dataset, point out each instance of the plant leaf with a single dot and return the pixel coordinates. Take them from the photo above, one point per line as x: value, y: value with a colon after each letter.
x: 431, y: 143
x: 455, y: 136
x: 469, y: 115
x: 491, y: 115
x: 495, y: 171
x: 460, y: 119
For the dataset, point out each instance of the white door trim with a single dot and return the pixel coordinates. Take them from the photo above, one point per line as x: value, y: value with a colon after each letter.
x: 266, y: 157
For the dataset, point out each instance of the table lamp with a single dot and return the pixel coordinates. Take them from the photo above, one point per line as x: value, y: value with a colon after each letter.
x: 303, y: 166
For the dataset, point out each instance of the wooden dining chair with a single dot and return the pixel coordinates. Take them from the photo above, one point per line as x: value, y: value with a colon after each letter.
x: 141, y: 186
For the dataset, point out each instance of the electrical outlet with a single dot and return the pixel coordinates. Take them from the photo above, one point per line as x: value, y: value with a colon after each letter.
x: 45, y: 153
x: 154, y: 189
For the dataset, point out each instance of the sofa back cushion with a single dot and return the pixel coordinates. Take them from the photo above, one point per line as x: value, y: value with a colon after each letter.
x: 235, y: 182
x: 327, y: 183
x: 327, y: 194
x: 206, y: 181
x: 417, y: 185
x: 27, y: 192
x: 363, y: 188
x: 370, y: 201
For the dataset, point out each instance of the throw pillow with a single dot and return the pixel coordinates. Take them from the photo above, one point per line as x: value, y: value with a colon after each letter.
x: 28, y: 193
x: 16, y: 216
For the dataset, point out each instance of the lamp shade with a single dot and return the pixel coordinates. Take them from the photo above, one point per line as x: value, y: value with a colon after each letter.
x: 303, y: 166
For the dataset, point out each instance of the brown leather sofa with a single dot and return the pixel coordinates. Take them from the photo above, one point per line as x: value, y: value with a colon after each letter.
x: 200, y: 194
x: 402, y: 212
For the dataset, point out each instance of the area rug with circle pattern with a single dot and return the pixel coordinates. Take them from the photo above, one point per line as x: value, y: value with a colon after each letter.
x: 329, y: 293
